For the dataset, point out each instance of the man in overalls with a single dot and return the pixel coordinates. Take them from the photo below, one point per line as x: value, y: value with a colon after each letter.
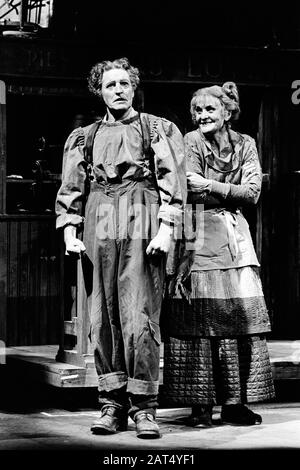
x: 137, y: 189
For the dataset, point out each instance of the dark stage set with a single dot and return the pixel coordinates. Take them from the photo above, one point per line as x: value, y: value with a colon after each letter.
x: 178, y: 47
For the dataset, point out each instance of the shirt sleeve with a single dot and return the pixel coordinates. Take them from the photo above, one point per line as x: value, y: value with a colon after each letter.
x: 68, y: 204
x: 195, y: 164
x: 167, y: 144
x: 248, y: 191
x: 193, y: 155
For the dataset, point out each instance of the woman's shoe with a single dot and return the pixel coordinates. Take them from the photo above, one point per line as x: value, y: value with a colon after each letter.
x: 240, y: 415
x: 201, y: 416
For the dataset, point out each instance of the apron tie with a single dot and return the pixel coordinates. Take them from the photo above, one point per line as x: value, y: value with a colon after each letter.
x: 231, y: 223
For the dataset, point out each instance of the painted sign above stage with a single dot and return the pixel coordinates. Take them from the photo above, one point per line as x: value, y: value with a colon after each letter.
x: 42, y: 60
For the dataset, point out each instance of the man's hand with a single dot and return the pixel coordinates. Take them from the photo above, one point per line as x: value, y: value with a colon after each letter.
x: 198, y: 184
x: 161, y: 243
x: 73, y: 244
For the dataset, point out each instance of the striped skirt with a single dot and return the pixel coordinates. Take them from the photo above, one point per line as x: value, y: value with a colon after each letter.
x: 223, y: 302
x: 215, y: 350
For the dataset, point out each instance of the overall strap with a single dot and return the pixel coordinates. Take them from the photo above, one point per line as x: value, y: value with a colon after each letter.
x: 88, y: 157
x: 148, y: 127
x: 147, y: 135
x: 89, y: 144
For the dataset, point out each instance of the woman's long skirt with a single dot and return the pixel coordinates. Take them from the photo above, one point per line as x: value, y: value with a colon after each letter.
x: 215, y: 349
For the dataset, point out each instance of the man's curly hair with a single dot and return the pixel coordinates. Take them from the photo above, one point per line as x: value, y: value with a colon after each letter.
x: 97, y: 71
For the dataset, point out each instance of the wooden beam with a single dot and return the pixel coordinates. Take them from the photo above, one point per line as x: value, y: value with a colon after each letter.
x: 3, y: 226
x: 3, y: 283
x: 2, y: 147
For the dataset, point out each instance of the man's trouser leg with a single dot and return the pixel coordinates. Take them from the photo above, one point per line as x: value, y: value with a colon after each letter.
x: 106, y: 330
x: 140, y: 289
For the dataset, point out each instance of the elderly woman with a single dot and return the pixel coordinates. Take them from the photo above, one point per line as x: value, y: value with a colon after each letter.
x: 216, y: 351
x: 130, y: 168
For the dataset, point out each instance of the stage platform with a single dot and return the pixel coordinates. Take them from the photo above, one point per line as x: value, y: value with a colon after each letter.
x: 39, y: 364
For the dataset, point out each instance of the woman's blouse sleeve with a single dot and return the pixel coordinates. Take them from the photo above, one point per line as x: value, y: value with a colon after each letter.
x: 167, y: 144
x: 248, y: 191
x: 195, y: 164
x: 193, y: 155
x: 68, y: 205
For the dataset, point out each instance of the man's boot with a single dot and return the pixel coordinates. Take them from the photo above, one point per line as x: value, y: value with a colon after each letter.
x: 111, y: 420
x: 146, y: 426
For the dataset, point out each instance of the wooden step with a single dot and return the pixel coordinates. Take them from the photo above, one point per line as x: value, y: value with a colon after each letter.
x: 39, y: 363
